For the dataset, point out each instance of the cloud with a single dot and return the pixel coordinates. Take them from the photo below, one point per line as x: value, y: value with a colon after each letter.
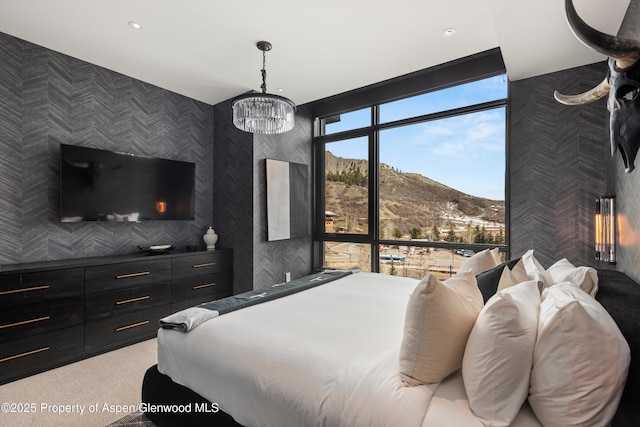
x: 471, y: 135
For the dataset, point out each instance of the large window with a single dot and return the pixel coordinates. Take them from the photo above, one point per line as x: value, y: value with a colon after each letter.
x: 415, y: 185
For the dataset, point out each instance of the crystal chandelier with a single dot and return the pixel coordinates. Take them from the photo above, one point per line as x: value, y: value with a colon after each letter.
x: 263, y: 113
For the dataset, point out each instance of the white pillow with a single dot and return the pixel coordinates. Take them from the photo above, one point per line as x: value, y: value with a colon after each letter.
x: 480, y: 262
x: 528, y: 268
x: 580, y: 362
x: 519, y: 272
x: 437, y: 324
x: 495, y: 252
x: 535, y: 271
x: 585, y: 277
x: 507, y: 279
x: 497, y: 360
x: 465, y: 283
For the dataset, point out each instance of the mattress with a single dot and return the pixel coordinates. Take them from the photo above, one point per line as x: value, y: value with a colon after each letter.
x: 327, y: 356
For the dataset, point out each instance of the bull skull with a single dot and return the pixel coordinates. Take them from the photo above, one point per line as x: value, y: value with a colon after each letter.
x: 622, y: 84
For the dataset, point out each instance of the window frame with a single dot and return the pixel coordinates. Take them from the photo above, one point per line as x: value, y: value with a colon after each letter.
x: 474, y: 68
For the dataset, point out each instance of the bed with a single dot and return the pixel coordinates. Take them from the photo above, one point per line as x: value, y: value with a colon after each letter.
x: 329, y: 356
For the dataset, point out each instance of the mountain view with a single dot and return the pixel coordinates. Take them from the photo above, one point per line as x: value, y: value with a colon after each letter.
x: 412, y: 206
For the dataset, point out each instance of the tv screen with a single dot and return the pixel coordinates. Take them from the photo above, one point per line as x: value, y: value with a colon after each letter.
x: 100, y: 185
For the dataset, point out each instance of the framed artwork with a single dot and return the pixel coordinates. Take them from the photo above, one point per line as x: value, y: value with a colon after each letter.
x: 287, y: 200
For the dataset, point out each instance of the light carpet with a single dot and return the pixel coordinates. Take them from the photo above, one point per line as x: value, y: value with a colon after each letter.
x: 94, y: 392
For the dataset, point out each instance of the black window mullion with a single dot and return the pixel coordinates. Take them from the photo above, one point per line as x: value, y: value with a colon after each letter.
x: 341, y: 136
x: 469, y: 109
x: 319, y: 175
x: 374, y: 188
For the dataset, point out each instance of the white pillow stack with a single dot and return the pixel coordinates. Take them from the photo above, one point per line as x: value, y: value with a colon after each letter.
x: 560, y: 350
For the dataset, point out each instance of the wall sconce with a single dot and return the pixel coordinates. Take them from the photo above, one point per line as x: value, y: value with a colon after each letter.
x: 606, y: 229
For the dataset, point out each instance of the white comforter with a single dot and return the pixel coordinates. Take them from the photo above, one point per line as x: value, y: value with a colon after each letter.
x: 327, y: 356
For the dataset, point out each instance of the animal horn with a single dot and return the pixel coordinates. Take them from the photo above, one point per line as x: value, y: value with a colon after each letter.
x: 594, y: 94
x: 624, y: 51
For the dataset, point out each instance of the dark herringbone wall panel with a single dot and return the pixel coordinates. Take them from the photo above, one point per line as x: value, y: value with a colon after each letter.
x: 558, y: 165
x: 48, y: 98
x: 273, y: 259
x: 239, y: 195
x: 628, y: 185
x: 628, y: 199
x: 233, y: 194
x: 11, y: 57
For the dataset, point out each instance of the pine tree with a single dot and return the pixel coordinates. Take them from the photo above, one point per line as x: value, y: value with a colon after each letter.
x: 397, y: 233
x: 416, y: 233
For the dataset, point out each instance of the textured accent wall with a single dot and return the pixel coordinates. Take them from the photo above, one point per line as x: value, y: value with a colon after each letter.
x: 628, y: 185
x: 273, y: 259
x: 239, y: 194
x: 233, y: 194
x: 558, y: 159
x: 47, y: 98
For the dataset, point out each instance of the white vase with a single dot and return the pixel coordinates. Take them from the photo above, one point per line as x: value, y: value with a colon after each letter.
x: 210, y: 238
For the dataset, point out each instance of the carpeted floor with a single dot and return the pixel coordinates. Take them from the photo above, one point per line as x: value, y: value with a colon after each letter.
x: 85, y: 393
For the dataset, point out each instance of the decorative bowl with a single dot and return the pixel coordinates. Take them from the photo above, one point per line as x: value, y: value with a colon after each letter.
x: 157, y: 249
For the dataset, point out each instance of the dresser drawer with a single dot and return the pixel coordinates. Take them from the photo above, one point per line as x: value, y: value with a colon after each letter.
x: 117, y: 276
x: 199, y: 286
x: 20, y: 357
x: 30, y: 288
x: 201, y: 264
x: 32, y: 319
x: 124, y: 329
x: 114, y: 303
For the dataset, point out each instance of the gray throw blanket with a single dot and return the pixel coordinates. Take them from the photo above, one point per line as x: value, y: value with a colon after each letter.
x: 189, y: 318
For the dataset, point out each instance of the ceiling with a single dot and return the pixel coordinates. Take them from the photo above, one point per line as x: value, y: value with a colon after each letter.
x: 205, y: 49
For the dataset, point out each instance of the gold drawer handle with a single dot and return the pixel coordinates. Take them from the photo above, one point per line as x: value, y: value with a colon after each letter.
x: 25, y: 322
x: 28, y: 353
x: 15, y: 291
x: 208, y: 264
x: 135, y: 325
x: 206, y: 285
x: 126, y: 276
x: 127, y: 301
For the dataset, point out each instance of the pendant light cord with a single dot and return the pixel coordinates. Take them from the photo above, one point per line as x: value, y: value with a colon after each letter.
x: 264, y: 72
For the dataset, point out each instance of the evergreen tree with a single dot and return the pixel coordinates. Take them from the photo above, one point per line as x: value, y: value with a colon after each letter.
x: 416, y: 233
x: 451, y: 234
x: 435, y: 233
x: 397, y: 233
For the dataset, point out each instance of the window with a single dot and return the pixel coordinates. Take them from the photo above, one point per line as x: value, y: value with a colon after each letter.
x: 347, y: 121
x: 347, y: 186
x: 414, y: 185
x: 444, y: 179
x: 347, y: 255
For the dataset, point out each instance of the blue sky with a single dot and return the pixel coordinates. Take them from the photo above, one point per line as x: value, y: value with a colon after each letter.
x: 464, y: 152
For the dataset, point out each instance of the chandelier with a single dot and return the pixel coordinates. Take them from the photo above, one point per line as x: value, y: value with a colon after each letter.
x: 263, y: 113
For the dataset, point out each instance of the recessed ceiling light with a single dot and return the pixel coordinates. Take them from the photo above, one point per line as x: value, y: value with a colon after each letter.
x: 135, y: 25
x: 449, y: 32
x: 280, y: 89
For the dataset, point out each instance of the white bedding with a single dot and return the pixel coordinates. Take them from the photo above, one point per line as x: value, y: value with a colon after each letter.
x: 327, y: 356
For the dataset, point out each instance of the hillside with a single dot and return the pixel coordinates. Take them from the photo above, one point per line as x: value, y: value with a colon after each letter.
x: 408, y: 200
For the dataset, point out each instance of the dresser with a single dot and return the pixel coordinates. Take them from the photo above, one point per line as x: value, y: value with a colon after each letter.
x: 53, y: 313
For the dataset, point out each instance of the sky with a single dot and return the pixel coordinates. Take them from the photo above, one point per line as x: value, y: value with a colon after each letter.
x: 463, y: 152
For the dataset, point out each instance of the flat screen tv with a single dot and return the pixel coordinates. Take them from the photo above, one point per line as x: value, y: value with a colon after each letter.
x: 100, y: 185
